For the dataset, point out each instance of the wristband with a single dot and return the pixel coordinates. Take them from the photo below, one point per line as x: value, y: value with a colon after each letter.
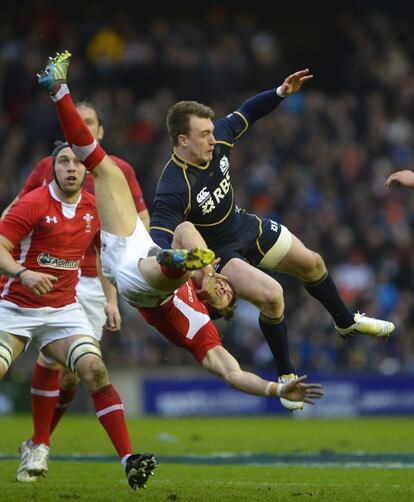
x: 279, y: 389
x: 279, y: 92
x: 19, y: 273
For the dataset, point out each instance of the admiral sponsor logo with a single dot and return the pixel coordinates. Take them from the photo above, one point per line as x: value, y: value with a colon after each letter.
x: 202, y: 195
x: 45, y: 260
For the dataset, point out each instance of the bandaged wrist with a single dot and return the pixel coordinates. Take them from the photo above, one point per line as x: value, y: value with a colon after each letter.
x: 279, y: 389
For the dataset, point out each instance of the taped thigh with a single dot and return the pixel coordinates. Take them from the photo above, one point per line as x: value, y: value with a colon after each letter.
x: 6, y: 350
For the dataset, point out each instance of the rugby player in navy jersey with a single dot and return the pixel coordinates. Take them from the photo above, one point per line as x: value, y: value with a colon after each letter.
x: 195, y: 186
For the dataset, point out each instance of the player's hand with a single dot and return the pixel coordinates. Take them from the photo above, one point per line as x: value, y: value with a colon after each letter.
x: 294, y: 82
x: 38, y: 283
x: 306, y: 392
x: 206, y: 289
x: 113, y: 317
x: 404, y: 178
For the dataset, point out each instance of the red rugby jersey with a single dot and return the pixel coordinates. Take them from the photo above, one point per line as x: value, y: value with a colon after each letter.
x: 184, y: 320
x: 42, y: 175
x: 52, y: 237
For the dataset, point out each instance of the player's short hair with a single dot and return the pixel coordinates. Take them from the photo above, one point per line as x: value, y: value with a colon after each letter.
x: 178, y: 117
x: 88, y: 104
x: 228, y: 312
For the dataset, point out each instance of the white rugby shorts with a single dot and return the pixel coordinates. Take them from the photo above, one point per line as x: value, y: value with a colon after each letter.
x: 44, y: 325
x: 92, y: 298
x: 120, y: 257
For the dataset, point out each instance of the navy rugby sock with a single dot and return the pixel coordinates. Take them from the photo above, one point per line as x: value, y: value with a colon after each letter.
x: 275, y: 332
x: 325, y: 291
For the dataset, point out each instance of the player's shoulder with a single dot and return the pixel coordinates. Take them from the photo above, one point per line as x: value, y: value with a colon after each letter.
x: 38, y: 195
x: 172, y: 177
x: 122, y: 164
x: 88, y: 198
x: 44, y: 163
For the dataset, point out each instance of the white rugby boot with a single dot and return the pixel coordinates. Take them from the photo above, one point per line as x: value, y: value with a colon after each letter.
x: 37, y: 460
x: 364, y: 325
x: 22, y: 474
x: 290, y: 405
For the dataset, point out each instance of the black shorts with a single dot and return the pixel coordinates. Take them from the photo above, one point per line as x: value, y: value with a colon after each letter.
x: 254, y: 239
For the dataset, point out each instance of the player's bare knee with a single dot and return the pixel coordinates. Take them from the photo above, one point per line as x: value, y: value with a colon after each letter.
x: 93, y: 373
x: 312, y: 268
x: 185, y: 226
x: 272, y: 301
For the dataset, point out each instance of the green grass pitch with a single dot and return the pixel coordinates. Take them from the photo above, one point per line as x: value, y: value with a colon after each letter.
x: 222, y: 459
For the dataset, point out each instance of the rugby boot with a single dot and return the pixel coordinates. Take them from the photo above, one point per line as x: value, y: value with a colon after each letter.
x: 187, y: 259
x: 55, y: 72
x: 290, y: 405
x: 364, y: 325
x: 139, y: 468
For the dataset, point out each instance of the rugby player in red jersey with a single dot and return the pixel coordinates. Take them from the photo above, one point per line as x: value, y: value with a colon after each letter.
x: 98, y: 304
x: 42, y: 240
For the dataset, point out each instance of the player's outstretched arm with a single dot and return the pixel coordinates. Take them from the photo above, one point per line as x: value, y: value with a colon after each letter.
x: 295, y: 390
x: 404, y: 178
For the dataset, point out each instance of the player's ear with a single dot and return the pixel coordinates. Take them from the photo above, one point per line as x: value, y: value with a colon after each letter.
x: 182, y: 140
x: 101, y: 133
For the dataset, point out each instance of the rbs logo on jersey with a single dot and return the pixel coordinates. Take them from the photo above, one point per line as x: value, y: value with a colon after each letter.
x: 219, y: 193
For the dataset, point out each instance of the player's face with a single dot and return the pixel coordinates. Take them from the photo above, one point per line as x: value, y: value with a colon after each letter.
x: 91, y: 120
x: 70, y: 172
x: 200, y: 140
x: 223, y: 295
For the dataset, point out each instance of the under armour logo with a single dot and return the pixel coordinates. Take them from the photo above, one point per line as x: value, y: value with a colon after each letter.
x: 51, y: 219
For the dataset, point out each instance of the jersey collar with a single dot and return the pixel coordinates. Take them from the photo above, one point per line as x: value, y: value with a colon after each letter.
x: 185, y: 163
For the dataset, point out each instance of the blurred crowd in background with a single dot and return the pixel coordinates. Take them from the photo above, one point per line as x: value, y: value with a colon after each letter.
x: 317, y: 164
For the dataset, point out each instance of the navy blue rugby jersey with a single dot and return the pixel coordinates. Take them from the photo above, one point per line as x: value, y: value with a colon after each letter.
x: 203, y: 194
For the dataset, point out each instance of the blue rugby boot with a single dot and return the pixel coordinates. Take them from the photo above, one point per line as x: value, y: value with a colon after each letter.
x: 55, y: 72
x: 183, y: 258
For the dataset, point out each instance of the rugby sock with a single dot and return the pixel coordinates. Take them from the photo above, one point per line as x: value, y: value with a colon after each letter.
x: 173, y: 273
x: 77, y: 133
x: 325, y: 291
x: 45, y: 393
x: 64, y: 400
x: 275, y: 332
x: 110, y: 411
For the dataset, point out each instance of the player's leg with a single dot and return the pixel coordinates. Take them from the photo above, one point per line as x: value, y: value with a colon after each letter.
x: 117, y: 211
x: 186, y: 236
x: 173, y: 267
x: 11, y: 347
x: 45, y: 394
x: 266, y: 293
x: 309, y: 266
x: 83, y: 357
